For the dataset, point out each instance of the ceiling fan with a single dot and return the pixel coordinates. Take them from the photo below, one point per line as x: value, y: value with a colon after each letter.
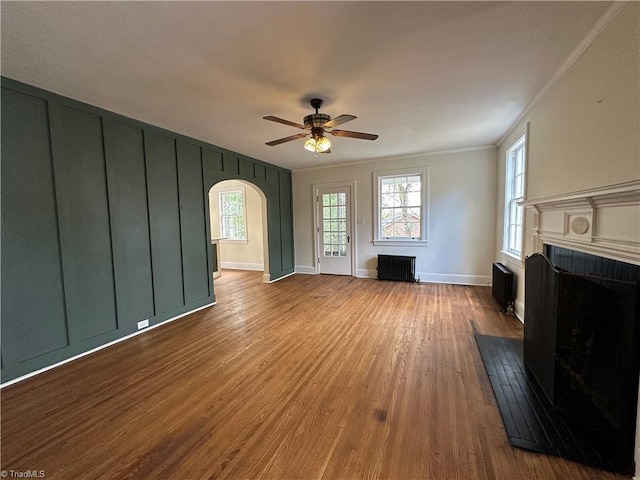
x: 318, y: 124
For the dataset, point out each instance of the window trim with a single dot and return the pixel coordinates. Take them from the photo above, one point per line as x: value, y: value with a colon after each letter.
x: 239, y: 189
x: 521, y: 141
x: 423, y: 241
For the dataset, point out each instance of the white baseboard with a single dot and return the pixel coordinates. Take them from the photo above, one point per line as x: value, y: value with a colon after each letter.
x: 436, y: 277
x: 277, y: 279
x: 243, y: 266
x: 454, y: 278
x: 305, y: 270
x: 519, y: 310
x: 93, y: 350
x: 362, y: 273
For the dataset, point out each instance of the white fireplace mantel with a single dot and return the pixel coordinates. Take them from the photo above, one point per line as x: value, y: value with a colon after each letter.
x: 603, y: 221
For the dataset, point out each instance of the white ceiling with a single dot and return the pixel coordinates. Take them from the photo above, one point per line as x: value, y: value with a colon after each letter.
x: 425, y: 76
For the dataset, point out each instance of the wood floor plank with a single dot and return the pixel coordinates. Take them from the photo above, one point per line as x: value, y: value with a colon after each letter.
x: 312, y: 377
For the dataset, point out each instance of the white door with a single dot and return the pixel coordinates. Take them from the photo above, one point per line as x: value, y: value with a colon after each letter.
x: 334, y: 230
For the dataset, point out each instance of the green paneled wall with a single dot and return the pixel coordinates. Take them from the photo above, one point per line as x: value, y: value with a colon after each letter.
x: 192, y: 222
x: 164, y: 221
x: 88, y: 262
x: 29, y: 230
x: 124, y: 149
x: 105, y: 223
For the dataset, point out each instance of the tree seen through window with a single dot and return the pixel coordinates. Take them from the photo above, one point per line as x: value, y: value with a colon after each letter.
x: 400, y: 207
x: 232, y: 216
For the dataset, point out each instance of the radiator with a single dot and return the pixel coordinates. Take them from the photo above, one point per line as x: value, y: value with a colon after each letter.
x: 502, y: 289
x: 397, y: 267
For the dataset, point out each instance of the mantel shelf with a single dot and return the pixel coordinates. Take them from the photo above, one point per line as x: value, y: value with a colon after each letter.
x: 627, y: 193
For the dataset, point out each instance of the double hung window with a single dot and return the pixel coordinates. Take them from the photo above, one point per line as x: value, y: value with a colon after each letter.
x: 400, y: 199
x: 514, y: 193
x: 232, y: 215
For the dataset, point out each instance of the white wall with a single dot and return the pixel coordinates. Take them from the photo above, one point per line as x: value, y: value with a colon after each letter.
x: 584, y: 132
x: 249, y: 255
x: 462, y: 202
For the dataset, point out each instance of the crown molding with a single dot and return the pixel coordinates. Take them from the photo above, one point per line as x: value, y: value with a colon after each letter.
x: 398, y: 157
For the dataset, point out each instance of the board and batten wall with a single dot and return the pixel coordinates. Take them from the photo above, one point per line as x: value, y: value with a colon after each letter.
x: 461, y: 219
x: 105, y: 223
x: 584, y: 131
x: 243, y: 255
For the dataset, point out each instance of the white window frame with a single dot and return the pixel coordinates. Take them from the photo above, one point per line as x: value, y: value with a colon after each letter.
x: 423, y: 240
x: 240, y: 190
x: 515, y: 173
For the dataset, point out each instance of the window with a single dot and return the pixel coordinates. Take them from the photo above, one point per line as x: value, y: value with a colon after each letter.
x: 232, y: 215
x: 401, y: 207
x: 514, y: 193
x: 334, y: 224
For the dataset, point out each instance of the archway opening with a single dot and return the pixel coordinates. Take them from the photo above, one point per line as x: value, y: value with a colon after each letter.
x: 238, y: 227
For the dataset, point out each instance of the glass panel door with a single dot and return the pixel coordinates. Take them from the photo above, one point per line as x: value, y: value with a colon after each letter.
x: 334, y: 231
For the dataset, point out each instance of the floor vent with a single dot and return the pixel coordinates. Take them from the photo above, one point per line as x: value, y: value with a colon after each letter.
x: 397, y: 267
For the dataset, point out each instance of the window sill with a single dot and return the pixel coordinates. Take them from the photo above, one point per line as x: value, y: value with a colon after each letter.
x: 402, y: 243
x: 234, y: 241
x: 515, y: 260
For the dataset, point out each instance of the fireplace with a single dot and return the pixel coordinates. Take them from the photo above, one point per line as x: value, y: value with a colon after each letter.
x: 582, y: 334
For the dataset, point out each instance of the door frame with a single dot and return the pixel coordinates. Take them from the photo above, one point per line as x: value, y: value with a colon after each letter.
x: 316, y: 187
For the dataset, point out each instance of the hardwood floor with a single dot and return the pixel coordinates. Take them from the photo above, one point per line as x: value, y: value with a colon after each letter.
x: 310, y: 377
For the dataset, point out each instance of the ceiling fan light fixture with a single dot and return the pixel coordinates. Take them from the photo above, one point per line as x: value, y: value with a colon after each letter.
x: 320, y: 144
x: 310, y: 144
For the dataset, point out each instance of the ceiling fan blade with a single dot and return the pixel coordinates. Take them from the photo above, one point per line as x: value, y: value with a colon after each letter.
x: 339, y: 120
x: 287, y: 139
x: 286, y: 122
x: 347, y: 133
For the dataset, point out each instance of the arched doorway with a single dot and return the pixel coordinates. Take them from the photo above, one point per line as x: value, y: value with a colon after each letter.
x: 238, y: 226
